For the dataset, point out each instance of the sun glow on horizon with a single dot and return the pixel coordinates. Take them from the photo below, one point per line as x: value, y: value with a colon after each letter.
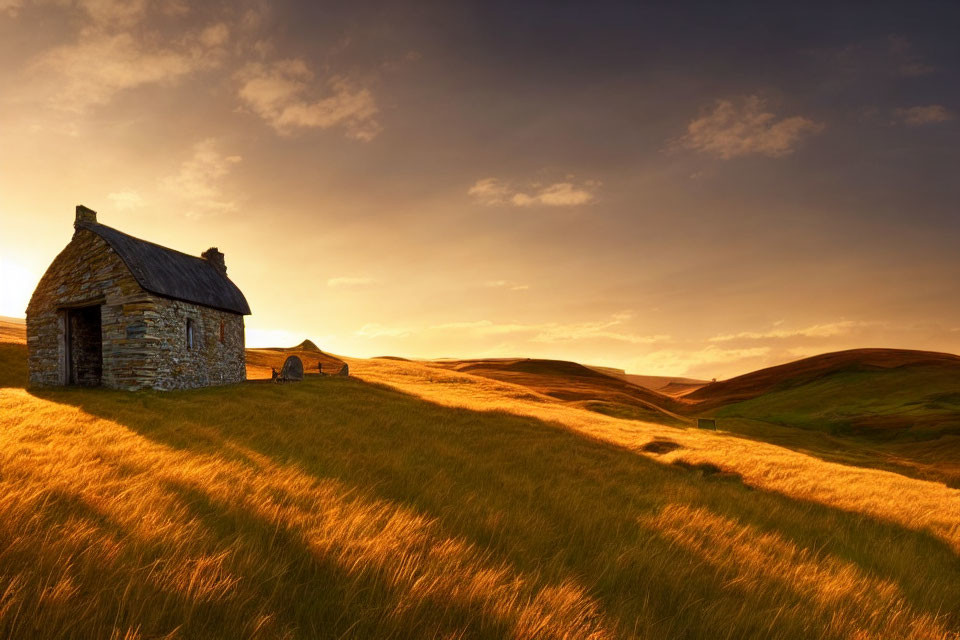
x: 364, y: 196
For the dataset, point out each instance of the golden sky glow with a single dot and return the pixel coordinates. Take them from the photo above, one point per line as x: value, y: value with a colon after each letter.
x: 483, y: 180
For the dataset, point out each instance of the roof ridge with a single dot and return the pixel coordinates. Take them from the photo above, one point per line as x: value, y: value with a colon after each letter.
x: 87, y: 225
x: 172, y: 273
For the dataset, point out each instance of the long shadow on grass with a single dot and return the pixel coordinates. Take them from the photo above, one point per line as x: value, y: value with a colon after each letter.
x: 147, y: 585
x: 303, y: 575
x: 846, y: 449
x: 549, y: 502
x: 13, y: 365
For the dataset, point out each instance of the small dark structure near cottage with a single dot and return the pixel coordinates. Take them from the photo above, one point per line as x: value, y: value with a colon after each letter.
x: 292, y: 370
x: 704, y: 423
x: 117, y: 311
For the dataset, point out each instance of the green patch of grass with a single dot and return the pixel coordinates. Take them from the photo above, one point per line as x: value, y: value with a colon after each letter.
x: 915, y: 403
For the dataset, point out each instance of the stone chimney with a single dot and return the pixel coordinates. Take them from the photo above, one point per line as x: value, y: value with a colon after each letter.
x: 84, y: 215
x: 214, y: 257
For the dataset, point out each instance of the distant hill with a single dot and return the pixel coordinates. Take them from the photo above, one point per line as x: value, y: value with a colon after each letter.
x: 13, y: 330
x: 306, y: 345
x: 669, y: 385
x: 576, y: 383
x: 756, y: 383
x: 875, y: 392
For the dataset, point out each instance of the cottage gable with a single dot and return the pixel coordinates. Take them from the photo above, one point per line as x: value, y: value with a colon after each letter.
x: 133, y: 318
x: 173, y: 274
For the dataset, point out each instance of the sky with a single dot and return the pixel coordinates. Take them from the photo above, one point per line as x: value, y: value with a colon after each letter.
x: 695, y: 189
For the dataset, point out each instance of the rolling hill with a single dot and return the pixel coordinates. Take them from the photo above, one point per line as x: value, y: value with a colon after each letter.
x: 880, y: 393
x: 869, y: 392
x: 574, y: 383
x: 888, y: 409
x: 795, y: 373
x: 669, y: 385
x: 12, y: 330
x: 420, y: 501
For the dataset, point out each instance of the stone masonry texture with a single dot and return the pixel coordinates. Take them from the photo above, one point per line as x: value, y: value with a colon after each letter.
x: 143, y: 337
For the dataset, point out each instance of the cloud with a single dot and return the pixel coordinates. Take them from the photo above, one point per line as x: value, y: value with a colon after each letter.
x: 560, y: 194
x: 91, y: 72
x: 597, y: 330
x: 930, y: 114
x: 893, y: 55
x: 475, y: 324
x: 10, y: 7
x: 491, y: 191
x: 905, y: 61
x: 216, y: 35
x: 679, y: 362
x: 803, y: 352
x: 120, y: 13
x: 556, y: 332
x: 376, y: 330
x: 914, y: 69
x: 197, y: 182
x: 114, y: 51
x: 506, y: 284
x: 282, y: 94
x: 826, y: 330
x: 124, y: 200
x: 748, y: 350
x: 347, y: 281
x: 733, y: 129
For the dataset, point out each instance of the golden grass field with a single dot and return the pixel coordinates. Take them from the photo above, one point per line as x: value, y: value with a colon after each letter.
x: 414, y: 501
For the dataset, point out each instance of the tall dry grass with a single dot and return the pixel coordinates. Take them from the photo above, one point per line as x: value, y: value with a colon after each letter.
x: 336, y: 508
x: 917, y: 504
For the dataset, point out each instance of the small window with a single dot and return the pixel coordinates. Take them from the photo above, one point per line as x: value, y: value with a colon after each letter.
x: 221, y: 331
x: 189, y: 333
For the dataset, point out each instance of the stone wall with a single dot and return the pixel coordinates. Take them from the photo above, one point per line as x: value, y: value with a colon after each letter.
x: 143, y: 336
x: 212, y: 360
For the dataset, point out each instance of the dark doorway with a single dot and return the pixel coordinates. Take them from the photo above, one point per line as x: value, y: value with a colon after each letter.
x: 84, y: 346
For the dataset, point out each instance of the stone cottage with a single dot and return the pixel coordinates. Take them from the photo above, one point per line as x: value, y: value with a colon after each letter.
x: 117, y: 311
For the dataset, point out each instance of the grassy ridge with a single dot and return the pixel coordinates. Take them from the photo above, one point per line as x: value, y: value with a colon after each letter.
x: 338, y: 508
x: 919, y: 402
x: 574, y: 383
x: 904, y: 419
x: 879, y: 408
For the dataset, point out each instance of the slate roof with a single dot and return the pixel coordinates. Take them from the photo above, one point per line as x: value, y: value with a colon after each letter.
x: 172, y: 274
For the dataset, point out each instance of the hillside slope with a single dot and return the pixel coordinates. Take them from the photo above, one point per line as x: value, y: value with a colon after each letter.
x: 418, y: 502
x: 12, y: 330
x: 577, y: 384
x: 673, y: 386
x: 877, y: 393
x: 793, y: 374
x: 336, y: 508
